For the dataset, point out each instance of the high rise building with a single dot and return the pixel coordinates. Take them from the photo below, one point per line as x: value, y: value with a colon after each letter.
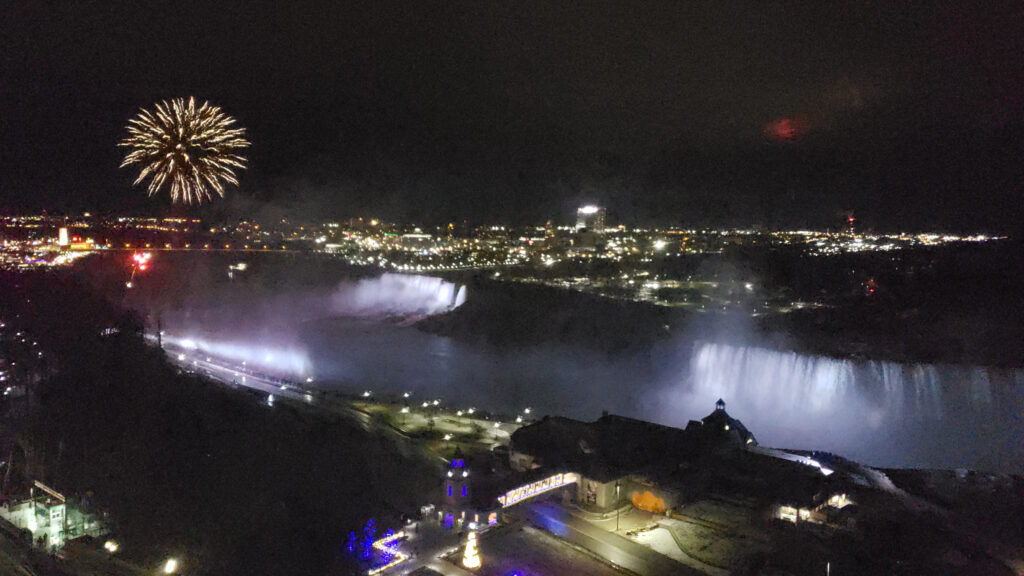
x: 591, y: 218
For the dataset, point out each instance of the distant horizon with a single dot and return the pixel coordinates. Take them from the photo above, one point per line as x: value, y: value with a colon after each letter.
x: 211, y: 215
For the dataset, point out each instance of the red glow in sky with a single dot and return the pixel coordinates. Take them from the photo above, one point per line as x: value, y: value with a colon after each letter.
x: 787, y: 129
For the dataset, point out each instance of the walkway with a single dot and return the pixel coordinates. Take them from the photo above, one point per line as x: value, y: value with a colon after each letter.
x: 614, y: 548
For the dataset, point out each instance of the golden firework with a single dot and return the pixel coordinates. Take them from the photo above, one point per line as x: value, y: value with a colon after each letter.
x: 192, y: 148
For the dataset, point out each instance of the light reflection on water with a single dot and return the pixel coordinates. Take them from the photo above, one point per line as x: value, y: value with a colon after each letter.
x: 880, y: 413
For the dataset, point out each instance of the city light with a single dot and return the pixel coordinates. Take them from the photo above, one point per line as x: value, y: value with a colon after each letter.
x: 171, y: 566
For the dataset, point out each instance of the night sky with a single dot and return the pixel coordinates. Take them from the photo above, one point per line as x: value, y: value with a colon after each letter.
x: 783, y: 114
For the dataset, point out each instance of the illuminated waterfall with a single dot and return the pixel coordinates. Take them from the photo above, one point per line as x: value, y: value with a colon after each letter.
x: 882, y: 412
x: 460, y: 297
x: 398, y: 294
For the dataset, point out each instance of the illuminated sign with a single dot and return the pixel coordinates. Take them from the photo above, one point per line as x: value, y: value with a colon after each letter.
x: 541, y: 486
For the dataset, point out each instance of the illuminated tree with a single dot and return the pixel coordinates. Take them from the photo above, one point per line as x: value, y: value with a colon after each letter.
x: 369, y: 535
x: 471, y: 558
x: 352, y: 541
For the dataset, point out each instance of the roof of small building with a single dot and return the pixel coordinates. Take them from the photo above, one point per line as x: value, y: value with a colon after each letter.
x: 721, y: 423
x: 614, y: 445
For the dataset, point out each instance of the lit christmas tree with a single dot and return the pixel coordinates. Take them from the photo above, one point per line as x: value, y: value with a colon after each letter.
x: 471, y: 559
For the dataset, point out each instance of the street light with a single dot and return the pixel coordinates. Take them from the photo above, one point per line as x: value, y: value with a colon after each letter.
x: 171, y: 566
x: 617, y: 486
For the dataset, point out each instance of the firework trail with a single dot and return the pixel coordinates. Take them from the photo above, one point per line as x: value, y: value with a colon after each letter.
x: 192, y: 149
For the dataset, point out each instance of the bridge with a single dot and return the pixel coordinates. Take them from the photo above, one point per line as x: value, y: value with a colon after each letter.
x: 527, y: 491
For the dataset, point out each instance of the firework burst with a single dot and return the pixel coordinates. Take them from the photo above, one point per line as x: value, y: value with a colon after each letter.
x: 193, y: 149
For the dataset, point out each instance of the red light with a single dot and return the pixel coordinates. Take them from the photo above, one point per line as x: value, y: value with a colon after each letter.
x: 786, y: 129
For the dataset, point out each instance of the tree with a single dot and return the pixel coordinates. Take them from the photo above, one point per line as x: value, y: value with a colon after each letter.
x: 471, y: 558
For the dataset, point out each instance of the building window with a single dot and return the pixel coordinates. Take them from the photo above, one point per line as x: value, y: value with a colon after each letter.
x: 449, y: 490
x: 464, y: 491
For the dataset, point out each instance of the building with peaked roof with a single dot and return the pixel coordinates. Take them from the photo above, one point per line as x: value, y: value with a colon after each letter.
x: 619, y: 458
x: 719, y: 427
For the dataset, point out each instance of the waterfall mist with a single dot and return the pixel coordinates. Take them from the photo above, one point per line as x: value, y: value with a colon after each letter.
x: 881, y: 413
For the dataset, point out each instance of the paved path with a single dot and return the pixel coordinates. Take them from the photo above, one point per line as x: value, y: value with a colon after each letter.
x: 614, y: 548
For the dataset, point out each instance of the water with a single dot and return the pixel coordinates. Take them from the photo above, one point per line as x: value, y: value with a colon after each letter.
x: 883, y: 413
x: 879, y: 413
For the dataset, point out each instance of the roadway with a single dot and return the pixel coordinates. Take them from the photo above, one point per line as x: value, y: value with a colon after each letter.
x: 621, y: 552
x: 240, y: 376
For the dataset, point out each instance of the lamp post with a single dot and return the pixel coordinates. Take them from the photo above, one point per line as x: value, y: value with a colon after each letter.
x: 617, y: 486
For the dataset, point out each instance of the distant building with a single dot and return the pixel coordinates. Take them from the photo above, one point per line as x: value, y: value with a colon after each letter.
x: 619, y: 459
x: 719, y: 426
x: 416, y: 240
x: 62, y: 236
x: 714, y: 464
x: 460, y: 507
x: 611, y: 457
x: 46, y: 515
x: 456, y: 483
x: 591, y: 218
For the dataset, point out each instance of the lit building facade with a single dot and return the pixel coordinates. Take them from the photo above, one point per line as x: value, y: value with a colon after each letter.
x: 457, y: 494
x: 459, y: 509
x: 591, y: 218
x: 46, y: 515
